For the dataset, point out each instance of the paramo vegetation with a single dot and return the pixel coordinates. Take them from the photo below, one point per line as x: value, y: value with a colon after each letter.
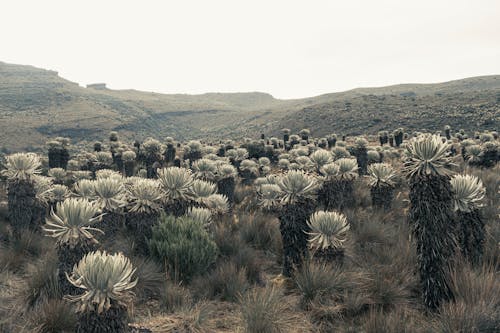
x: 391, y: 233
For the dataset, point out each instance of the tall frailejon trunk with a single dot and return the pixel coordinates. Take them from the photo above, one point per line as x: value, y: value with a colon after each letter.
x: 176, y: 208
x: 330, y: 255
x: 226, y: 187
x: 382, y: 196
x: 68, y: 257
x: 432, y: 224
x: 362, y: 159
x: 22, y: 206
x: 113, y: 320
x: 471, y: 235
x: 293, y: 227
x: 128, y: 168
x: 111, y: 223
x: 337, y: 194
x: 141, y: 226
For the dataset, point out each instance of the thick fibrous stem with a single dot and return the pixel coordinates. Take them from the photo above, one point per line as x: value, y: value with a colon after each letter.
x: 22, y: 206
x: 382, y: 196
x: 431, y: 217
x: 337, y: 194
x: 293, y: 227
x: 113, y: 320
x: 226, y: 187
x: 68, y: 257
x: 141, y: 226
x: 471, y: 235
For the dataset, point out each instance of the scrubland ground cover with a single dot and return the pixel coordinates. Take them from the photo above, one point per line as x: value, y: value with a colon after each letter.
x: 398, y: 233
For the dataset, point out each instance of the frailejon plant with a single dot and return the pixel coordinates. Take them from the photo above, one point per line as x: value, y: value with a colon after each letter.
x: 327, y: 236
x: 71, y: 226
x: 226, y: 182
x: 360, y: 152
x: 152, y: 156
x: 106, y: 281
x: 128, y: 158
x: 249, y: 171
x: 381, y: 178
x: 20, y: 171
x: 169, y: 154
x: 337, y: 191
x: 431, y: 214
x: 204, y: 169
x: 320, y: 158
x: 468, y: 193
x: 176, y: 186
x: 110, y: 198
x: 144, y: 204
x: 298, y: 193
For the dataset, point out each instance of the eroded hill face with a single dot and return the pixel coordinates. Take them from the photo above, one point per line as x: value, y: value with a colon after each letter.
x: 36, y: 104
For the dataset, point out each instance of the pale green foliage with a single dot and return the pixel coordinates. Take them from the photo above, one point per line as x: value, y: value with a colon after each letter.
x: 297, y: 185
x: 473, y: 153
x: 250, y: 166
x: 304, y: 163
x: 79, y: 175
x: 144, y: 196
x: 283, y: 163
x: 296, y: 152
x: 225, y: 170
x: 74, y: 165
x: 22, y: 166
x: 381, y: 174
x: 373, y: 156
x: 71, y: 222
x: 348, y: 168
x: 305, y: 131
x: 328, y: 230
x: 427, y: 155
x: 217, y: 203
x: 109, y: 193
x: 270, y: 179
x: 175, y: 183
x: 201, y: 190
x: 320, y: 158
x: 340, y: 152
x: 85, y: 188
x: 152, y: 146
x: 60, y: 192
x: 361, y: 143
x: 107, y: 173
x: 330, y: 170
x: 269, y: 195
x: 43, y: 188
x: 128, y: 156
x: 204, y: 169
x: 194, y: 145
x: 201, y: 215
x: 104, y: 157
x: 468, y: 192
x: 105, y: 278
x: 264, y: 161
x: 57, y: 173
x: 238, y: 154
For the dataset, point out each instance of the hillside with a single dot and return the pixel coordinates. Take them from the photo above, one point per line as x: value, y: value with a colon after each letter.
x: 36, y: 104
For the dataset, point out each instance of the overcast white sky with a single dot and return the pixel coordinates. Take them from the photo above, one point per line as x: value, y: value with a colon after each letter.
x: 287, y: 48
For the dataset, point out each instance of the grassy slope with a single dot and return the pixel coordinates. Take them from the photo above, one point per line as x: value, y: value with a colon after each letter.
x: 36, y: 104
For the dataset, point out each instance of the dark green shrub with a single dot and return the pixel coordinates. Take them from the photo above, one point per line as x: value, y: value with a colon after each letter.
x: 183, y: 245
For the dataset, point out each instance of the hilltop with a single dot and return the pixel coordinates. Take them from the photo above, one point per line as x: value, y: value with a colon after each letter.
x: 36, y: 104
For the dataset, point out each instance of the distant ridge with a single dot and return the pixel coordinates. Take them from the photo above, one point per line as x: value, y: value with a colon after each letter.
x: 36, y: 104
